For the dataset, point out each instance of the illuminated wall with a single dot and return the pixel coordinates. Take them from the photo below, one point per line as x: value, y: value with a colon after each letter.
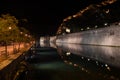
x: 52, y: 38
x: 109, y: 36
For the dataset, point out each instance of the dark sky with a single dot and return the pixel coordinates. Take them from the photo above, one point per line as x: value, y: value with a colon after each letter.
x: 45, y: 15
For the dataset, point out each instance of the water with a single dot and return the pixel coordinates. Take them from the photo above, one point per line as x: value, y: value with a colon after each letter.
x: 71, y: 62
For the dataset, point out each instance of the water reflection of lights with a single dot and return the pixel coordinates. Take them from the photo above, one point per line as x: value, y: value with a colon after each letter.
x: 65, y: 61
x: 68, y: 53
x: 85, y: 64
x: 106, y: 65
x: 88, y: 59
x: 77, y: 65
x: 97, y: 62
x: 108, y: 68
x: 92, y: 59
x: 108, y: 55
x: 82, y: 57
x: 70, y: 63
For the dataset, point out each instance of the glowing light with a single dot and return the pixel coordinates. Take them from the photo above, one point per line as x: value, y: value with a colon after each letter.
x: 108, y: 2
x: 108, y: 68
x: 68, y: 30
x: 106, y: 65
x: 68, y: 53
x: 41, y: 39
x: 74, y: 16
x: 65, y: 61
x: 83, y: 69
x: 69, y: 17
x: 82, y: 29
x: 10, y: 28
x: 63, y: 33
x: 97, y: 62
x: 82, y: 57
x: 88, y: 28
x: 70, y: 63
x: 65, y: 20
x: 86, y: 71
x: 29, y: 36
x: 96, y: 26
x: 26, y: 34
x: 21, y: 32
x: 119, y: 23
x: 107, y: 11
x: 106, y: 24
x: 88, y: 59
x: 75, y: 65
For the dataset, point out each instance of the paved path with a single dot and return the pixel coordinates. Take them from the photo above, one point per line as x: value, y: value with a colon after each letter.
x: 6, y: 59
x: 3, y: 55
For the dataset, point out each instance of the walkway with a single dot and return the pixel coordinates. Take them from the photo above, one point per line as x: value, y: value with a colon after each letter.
x: 6, y: 59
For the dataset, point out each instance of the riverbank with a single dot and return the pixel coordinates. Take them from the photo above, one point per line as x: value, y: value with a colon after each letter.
x: 6, y: 59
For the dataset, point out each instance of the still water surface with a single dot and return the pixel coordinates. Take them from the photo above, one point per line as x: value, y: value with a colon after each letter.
x: 71, y: 62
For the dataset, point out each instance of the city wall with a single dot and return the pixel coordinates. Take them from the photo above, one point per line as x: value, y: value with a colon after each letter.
x: 108, y: 36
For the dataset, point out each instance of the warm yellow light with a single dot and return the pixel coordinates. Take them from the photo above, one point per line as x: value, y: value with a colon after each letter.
x: 69, y: 17
x: 21, y: 32
x: 119, y: 23
x: 74, y: 16
x: 68, y: 30
x: 10, y: 28
x: 26, y: 34
x: 107, y: 11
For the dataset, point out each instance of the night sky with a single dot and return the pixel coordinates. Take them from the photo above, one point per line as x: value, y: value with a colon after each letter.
x: 44, y: 15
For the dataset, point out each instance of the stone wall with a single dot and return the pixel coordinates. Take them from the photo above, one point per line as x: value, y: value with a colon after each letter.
x: 109, y: 36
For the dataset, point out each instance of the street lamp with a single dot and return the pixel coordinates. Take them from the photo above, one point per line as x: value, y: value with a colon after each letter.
x: 105, y: 24
x: 21, y: 32
x: 68, y: 30
x: 26, y: 35
x: 9, y: 28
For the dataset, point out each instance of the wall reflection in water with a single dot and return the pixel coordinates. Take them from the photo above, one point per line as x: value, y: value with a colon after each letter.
x: 109, y: 55
x: 98, y: 61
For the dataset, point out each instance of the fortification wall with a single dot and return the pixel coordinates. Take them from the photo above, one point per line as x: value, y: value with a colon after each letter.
x: 109, y: 36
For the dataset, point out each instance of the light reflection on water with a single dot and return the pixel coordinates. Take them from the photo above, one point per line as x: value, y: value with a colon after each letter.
x: 73, y: 62
x: 109, y: 55
x: 98, y: 61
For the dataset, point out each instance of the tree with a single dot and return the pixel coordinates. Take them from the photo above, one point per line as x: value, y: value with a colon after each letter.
x: 10, y: 32
x: 8, y: 29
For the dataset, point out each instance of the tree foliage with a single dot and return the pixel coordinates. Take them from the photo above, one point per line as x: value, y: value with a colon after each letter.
x: 8, y: 27
x: 11, y: 33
